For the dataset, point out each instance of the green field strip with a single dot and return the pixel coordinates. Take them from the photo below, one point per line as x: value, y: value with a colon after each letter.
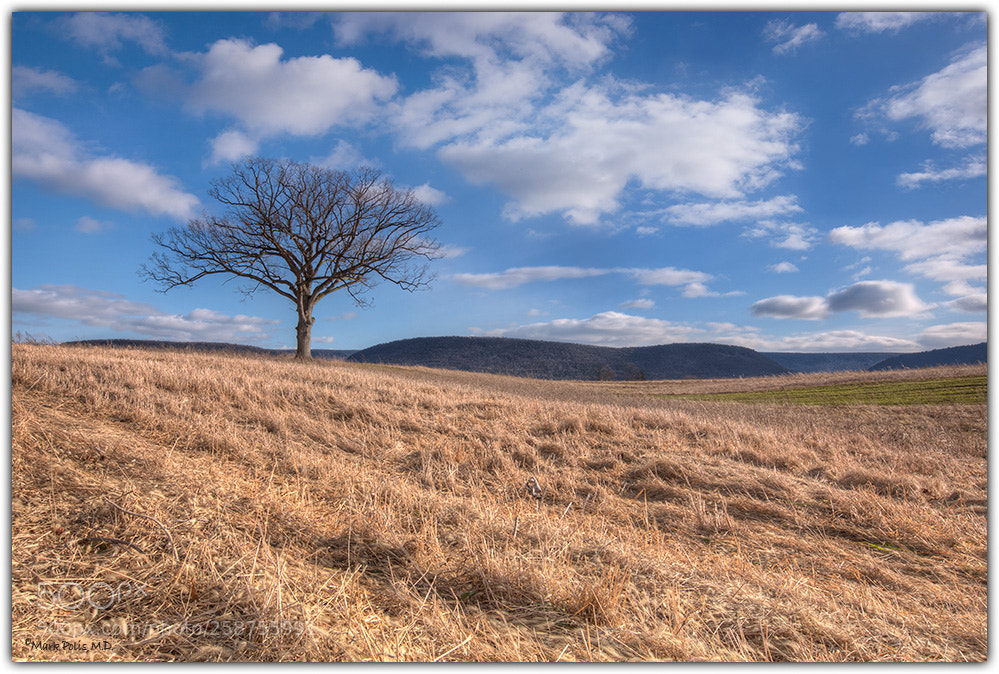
x: 949, y: 391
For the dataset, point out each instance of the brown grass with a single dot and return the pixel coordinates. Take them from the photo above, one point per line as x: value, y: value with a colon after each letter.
x: 215, y: 507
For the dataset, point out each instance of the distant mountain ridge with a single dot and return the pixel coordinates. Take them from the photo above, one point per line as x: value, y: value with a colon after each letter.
x: 955, y: 355
x: 828, y: 362
x: 562, y: 360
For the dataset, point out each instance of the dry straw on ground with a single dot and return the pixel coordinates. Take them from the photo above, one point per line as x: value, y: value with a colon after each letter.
x: 182, y: 506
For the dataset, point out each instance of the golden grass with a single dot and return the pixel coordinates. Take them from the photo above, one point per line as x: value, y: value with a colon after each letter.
x: 218, y: 507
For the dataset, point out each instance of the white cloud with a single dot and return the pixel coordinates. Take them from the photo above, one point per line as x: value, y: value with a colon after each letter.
x: 790, y: 235
x: 666, y: 276
x: 879, y: 22
x: 500, y: 113
x: 939, y: 250
x: 914, y: 240
x: 616, y: 329
x: 948, y: 269
x: 877, y: 299
x: 782, y: 268
x: 951, y: 103
x: 343, y: 156
x: 954, y: 334
x: 97, y: 308
x: 973, y: 167
x: 45, y: 151
x: 303, y: 96
x: 704, y: 214
x: 830, y: 341
x: 971, y: 303
x: 25, y: 80
x: 790, y: 306
x: 452, y: 251
x: 597, y: 144
x: 610, y: 328
x: 430, y: 195
x: 868, y: 298
x: 108, y: 32
x: 693, y: 281
x: 860, y: 139
x: 518, y: 276
x: 484, y: 37
x: 643, y: 303
x: 89, y: 225
x: 232, y: 145
x: 789, y: 37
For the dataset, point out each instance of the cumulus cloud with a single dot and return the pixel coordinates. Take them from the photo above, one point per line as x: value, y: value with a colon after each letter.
x: 789, y: 37
x: 430, y: 195
x: 598, y: 143
x: 877, y: 298
x: 232, y: 145
x: 868, y: 298
x: 500, y: 113
x: 939, y: 250
x: 971, y: 303
x: 25, y: 80
x: 974, y: 167
x: 96, y: 308
x: 518, y: 276
x: 693, y: 281
x: 569, y: 39
x: 268, y: 94
x: 45, y: 151
x: 951, y: 103
x: 790, y: 306
x: 879, y: 22
x: 665, y: 276
x: 610, y: 328
x: 954, y: 334
x: 713, y: 213
x: 643, y: 303
x: 344, y: 155
x: 914, y: 240
x: 789, y: 235
x: 109, y: 32
x: 832, y: 340
x: 613, y: 328
x: 783, y: 268
x: 89, y: 225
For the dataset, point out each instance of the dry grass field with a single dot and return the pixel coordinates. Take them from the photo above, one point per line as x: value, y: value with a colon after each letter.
x: 182, y: 506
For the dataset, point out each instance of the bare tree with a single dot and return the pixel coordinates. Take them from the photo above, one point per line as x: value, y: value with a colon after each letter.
x: 304, y: 232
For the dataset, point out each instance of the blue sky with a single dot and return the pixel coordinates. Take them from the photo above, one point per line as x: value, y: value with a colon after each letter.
x: 783, y: 181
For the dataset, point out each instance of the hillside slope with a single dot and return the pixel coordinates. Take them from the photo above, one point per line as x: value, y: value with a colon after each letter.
x: 192, y: 506
x: 955, y: 355
x: 827, y: 362
x: 561, y: 360
x: 208, y: 347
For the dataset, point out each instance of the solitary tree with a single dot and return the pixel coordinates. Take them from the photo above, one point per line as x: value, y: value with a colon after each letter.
x: 304, y: 232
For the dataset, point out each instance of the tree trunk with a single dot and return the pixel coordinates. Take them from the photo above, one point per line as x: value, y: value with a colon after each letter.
x: 304, y: 331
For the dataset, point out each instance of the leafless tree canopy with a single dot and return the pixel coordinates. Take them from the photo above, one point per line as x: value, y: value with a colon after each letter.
x: 304, y: 232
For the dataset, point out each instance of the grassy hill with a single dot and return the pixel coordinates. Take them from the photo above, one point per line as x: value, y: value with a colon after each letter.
x: 188, y: 506
x: 561, y: 360
x: 955, y: 355
x: 209, y: 347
